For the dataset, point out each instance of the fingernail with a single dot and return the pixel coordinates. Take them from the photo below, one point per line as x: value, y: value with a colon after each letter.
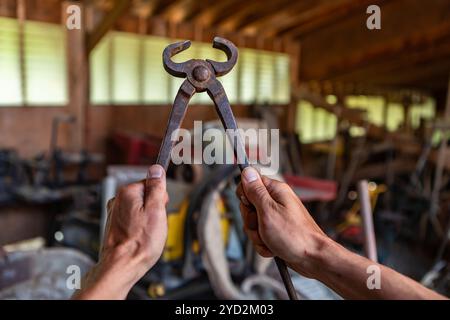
x: 245, y: 201
x: 155, y: 172
x: 250, y: 174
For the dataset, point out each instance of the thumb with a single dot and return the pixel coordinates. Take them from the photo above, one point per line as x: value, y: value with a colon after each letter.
x: 155, y: 188
x: 254, y: 189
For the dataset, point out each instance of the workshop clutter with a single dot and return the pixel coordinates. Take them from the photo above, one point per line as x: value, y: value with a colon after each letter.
x: 354, y: 117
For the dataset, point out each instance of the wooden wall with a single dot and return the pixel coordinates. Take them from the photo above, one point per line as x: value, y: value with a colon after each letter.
x: 28, y: 129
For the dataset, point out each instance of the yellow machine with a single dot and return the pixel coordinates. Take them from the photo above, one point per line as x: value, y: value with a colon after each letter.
x: 352, y: 217
x: 176, y: 221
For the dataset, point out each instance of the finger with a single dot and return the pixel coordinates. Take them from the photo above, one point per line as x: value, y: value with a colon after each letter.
x: 155, y: 188
x: 279, y: 191
x: 110, y: 204
x: 249, y: 217
x: 254, y: 189
x: 241, y: 196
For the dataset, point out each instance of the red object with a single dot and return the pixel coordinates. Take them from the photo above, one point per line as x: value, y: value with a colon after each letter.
x: 137, y: 148
x: 312, y: 189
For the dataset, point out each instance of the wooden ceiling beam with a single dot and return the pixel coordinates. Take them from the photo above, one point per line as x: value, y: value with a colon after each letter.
x: 325, y: 15
x: 178, y: 10
x: 397, y: 49
x: 94, y: 37
x: 413, y: 72
x: 228, y: 18
x: 322, y: 11
x: 144, y: 8
x: 232, y: 22
x: 273, y: 16
x: 214, y: 14
x: 284, y: 18
x: 162, y: 6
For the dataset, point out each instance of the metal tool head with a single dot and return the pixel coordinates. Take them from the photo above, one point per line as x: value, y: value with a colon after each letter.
x: 199, y: 72
x: 222, y: 68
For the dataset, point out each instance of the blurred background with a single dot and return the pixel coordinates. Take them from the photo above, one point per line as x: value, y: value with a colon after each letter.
x: 364, y: 119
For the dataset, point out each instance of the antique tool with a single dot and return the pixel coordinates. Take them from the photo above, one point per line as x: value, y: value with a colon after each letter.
x: 201, y: 76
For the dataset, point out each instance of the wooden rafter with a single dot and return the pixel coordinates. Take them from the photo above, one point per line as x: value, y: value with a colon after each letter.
x: 277, y: 18
x: 390, y: 52
x: 324, y: 15
x: 232, y: 21
x: 178, y: 10
x: 425, y: 65
x: 213, y: 13
x: 265, y: 13
x: 120, y: 6
x: 144, y: 8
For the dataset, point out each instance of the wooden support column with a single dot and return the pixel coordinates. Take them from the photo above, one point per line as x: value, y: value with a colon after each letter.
x: 120, y: 6
x: 78, y: 76
x: 293, y: 49
x: 21, y: 17
x: 438, y: 174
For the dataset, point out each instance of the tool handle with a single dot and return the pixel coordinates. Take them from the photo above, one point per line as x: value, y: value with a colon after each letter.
x: 281, y: 264
x: 286, y: 277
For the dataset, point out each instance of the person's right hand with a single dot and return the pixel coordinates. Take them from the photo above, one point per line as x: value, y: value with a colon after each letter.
x: 277, y: 223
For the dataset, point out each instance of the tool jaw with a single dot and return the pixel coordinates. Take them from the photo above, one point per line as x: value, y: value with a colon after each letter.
x: 173, y: 68
x: 199, y: 72
x: 222, y: 68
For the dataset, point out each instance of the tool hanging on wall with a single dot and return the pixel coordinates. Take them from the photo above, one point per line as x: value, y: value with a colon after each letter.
x: 201, y: 76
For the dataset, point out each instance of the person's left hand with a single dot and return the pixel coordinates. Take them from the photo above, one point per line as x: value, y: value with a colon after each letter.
x: 135, y: 235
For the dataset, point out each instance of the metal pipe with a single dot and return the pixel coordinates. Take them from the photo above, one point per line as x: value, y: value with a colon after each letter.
x: 370, y: 246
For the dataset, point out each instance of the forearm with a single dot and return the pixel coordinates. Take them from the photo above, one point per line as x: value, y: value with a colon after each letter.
x: 110, y: 279
x: 349, y: 275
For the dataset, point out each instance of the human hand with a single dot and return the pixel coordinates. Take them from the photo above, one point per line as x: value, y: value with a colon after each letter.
x: 135, y: 235
x: 278, y: 224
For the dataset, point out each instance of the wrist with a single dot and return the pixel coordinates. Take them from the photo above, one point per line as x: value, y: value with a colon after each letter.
x: 316, y: 257
x: 113, y: 276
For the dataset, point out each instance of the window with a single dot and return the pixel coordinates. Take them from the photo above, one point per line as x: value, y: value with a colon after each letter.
x: 44, y: 69
x: 315, y: 124
x: 45, y: 64
x: 425, y: 111
x: 373, y: 106
x: 127, y: 69
x: 10, y: 88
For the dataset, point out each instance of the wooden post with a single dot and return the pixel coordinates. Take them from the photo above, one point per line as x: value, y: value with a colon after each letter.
x: 294, y: 54
x: 21, y: 17
x: 441, y: 158
x: 78, y: 75
x: 143, y: 26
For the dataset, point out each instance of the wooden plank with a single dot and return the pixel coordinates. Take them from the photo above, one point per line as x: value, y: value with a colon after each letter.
x: 78, y: 77
x: 284, y: 18
x: 328, y: 55
x: 438, y: 174
x: 294, y: 51
x: 213, y: 13
x: 420, y: 45
x: 273, y: 15
x: 321, y: 12
x: 243, y: 12
x: 326, y: 15
x: 22, y: 16
x: 178, y: 10
x: 120, y: 6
